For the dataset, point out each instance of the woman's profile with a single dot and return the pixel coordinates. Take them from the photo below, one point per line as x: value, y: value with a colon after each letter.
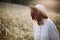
x: 43, y: 28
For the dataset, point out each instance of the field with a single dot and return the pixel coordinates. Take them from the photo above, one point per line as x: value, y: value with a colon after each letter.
x: 16, y: 21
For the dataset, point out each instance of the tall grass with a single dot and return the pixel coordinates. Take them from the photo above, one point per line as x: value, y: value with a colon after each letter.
x: 17, y: 23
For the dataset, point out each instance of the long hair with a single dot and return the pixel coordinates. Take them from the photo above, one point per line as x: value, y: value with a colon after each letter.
x: 38, y: 15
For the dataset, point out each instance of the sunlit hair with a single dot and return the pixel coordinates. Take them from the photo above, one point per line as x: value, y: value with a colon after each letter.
x: 38, y: 15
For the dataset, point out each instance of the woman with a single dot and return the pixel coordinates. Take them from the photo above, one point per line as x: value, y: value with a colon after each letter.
x: 43, y: 28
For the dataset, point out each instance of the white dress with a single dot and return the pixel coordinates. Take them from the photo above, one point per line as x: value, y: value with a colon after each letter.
x: 48, y: 31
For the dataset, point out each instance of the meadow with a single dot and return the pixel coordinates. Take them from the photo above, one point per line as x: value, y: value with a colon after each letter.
x: 16, y: 22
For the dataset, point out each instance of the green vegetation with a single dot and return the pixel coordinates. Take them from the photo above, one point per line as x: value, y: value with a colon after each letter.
x: 24, y: 2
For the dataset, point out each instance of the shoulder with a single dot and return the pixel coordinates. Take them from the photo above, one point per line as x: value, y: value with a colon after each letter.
x: 50, y: 21
x: 52, y: 25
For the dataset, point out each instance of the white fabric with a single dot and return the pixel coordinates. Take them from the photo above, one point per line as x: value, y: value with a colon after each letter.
x: 48, y: 31
x: 41, y: 8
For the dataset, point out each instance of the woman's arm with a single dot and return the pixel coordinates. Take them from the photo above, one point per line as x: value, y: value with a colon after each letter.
x: 53, y: 32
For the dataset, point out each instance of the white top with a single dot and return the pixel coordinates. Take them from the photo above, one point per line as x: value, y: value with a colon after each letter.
x: 48, y: 31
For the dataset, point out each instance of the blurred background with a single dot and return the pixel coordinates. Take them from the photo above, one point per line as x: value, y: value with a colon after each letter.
x: 15, y: 20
